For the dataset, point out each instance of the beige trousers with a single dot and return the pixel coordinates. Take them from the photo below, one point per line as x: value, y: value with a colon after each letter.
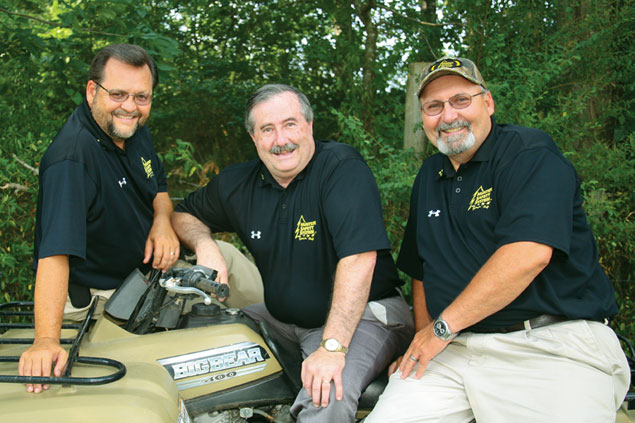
x: 567, y: 372
x: 244, y: 281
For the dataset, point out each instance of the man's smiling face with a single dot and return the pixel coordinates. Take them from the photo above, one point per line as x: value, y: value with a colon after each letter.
x: 283, y: 137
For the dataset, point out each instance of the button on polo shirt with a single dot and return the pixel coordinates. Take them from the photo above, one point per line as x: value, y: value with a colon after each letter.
x: 297, y: 235
x: 517, y: 187
x: 95, y: 201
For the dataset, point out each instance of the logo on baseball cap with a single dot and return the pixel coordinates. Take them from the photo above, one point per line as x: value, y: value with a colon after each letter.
x: 448, y: 66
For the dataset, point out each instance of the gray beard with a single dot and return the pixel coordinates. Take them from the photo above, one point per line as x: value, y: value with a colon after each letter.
x: 114, y: 132
x: 455, y: 144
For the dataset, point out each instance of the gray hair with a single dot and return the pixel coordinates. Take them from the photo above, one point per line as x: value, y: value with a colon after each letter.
x: 265, y: 92
x: 126, y: 53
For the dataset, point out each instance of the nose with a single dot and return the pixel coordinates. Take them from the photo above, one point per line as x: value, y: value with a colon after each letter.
x: 129, y: 104
x: 449, y: 113
x: 279, y: 138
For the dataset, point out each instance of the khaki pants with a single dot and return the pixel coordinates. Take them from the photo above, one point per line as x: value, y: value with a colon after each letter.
x: 244, y: 281
x: 567, y: 372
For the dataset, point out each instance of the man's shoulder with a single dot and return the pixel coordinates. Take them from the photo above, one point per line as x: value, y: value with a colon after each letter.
x: 329, y: 150
x: 239, y: 173
x: 73, y: 142
x: 524, y: 137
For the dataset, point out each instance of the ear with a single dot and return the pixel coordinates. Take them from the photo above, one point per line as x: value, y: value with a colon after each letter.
x: 489, y: 102
x: 91, y: 92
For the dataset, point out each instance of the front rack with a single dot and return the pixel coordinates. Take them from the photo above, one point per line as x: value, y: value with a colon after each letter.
x: 16, y: 308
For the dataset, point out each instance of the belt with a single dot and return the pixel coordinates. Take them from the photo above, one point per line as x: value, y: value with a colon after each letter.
x: 536, y: 322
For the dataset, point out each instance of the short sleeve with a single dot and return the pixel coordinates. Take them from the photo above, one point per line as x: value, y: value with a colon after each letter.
x: 206, y: 205
x: 162, y: 180
x: 66, y: 192
x: 536, y: 198
x: 409, y: 260
x: 352, y: 206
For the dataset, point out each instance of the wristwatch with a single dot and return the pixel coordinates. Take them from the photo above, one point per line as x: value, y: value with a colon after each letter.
x: 442, y: 330
x: 333, y: 345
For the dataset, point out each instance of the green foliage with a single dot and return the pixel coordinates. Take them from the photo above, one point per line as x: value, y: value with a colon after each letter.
x: 564, y: 67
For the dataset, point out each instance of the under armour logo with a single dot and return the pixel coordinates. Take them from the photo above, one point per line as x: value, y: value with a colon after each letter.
x: 122, y: 182
x: 255, y: 235
x: 434, y: 213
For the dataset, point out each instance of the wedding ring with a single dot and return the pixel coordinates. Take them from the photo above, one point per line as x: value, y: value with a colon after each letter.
x: 412, y: 357
x: 171, y: 253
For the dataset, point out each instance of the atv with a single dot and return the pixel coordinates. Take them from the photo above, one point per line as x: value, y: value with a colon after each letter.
x: 166, y: 351
x: 163, y: 351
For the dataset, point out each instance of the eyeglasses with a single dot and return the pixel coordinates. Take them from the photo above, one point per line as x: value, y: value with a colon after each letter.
x: 121, y: 96
x: 459, y: 101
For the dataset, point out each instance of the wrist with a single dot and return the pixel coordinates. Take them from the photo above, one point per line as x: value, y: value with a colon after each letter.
x: 442, y: 330
x: 333, y: 345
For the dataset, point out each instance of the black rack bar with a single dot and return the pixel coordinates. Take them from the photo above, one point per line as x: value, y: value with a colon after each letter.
x: 68, y: 380
x: 73, y: 356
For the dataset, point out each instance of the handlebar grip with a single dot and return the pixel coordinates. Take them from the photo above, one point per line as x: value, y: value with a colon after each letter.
x: 221, y: 290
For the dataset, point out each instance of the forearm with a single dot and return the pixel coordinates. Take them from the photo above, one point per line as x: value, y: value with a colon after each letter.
x: 421, y: 316
x: 350, y: 295
x: 162, y: 207
x: 51, y: 289
x: 192, y: 232
x: 507, y: 273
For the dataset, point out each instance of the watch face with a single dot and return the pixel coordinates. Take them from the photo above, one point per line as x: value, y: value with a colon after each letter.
x: 440, y: 329
x: 331, y: 344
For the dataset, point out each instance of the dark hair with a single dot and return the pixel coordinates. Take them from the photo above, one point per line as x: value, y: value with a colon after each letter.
x: 127, y: 53
x: 265, y: 92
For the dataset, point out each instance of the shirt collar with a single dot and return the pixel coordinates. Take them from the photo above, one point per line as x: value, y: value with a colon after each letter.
x: 86, y: 116
x: 483, y: 154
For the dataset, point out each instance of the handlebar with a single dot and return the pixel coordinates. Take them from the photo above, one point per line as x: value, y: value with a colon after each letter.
x: 198, y: 280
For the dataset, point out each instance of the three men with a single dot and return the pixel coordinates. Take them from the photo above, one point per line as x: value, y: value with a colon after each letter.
x: 510, y: 301
x: 103, y: 208
x: 310, y: 214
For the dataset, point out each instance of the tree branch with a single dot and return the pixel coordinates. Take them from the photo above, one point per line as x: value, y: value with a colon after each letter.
x: 55, y: 24
x: 26, y: 165
x: 381, y: 6
x: 15, y: 186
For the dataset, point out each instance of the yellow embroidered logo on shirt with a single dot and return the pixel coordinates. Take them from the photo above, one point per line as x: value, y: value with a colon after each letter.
x: 147, y: 166
x: 481, y: 199
x: 305, y: 230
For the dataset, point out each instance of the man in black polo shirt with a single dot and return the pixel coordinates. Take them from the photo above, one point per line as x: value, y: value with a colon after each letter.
x: 103, y: 207
x: 509, y: 298
x: 310, y: 214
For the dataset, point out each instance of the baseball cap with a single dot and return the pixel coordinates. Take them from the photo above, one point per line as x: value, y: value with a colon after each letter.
x: 451, y: 65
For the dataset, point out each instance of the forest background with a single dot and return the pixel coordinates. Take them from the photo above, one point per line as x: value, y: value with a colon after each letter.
x: 566, y: 67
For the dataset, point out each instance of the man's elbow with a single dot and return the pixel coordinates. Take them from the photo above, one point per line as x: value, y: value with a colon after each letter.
x: 542, y: 256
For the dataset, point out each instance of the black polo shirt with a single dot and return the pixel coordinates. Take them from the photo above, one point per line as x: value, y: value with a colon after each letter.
x: 297, y: 235
x: 518, y: 187
x: 95, y: 201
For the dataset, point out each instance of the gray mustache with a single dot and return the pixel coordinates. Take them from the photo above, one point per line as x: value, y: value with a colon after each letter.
x: 277, y: 149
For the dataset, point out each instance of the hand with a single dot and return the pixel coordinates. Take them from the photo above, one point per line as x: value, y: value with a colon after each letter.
x: 213, y: 259
x: 423, y: 348
x: 163, y: 242
x: 394, y: 365
x: 318, y: 370
x: 38, y: 359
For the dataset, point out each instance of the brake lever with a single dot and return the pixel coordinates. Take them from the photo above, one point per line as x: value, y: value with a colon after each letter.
x: 172, y: 285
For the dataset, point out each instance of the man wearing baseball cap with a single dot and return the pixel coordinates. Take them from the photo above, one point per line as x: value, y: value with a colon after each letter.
x: 510, y: 301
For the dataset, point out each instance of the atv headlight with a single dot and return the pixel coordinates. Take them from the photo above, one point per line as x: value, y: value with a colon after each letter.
x: 183, y: 417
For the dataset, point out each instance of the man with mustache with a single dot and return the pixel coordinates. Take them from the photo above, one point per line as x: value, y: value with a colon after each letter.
x: 510, y: 301
x: 310, y: 214
x: 103, y: 207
